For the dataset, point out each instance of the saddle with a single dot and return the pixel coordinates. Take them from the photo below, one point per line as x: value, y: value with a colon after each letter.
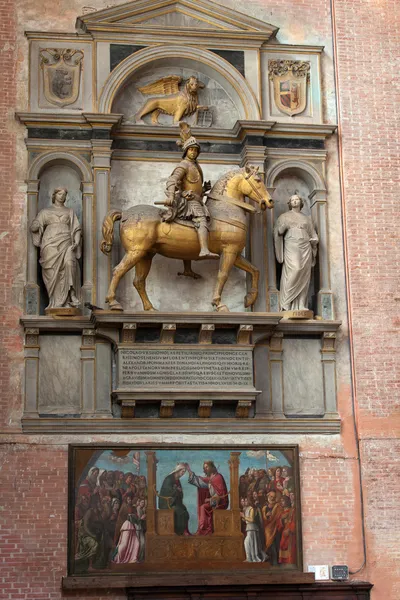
x: 184, y: 222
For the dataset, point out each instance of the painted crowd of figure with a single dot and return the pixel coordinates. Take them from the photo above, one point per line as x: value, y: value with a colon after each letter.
x: 110, y: 519
x: 268, y: 512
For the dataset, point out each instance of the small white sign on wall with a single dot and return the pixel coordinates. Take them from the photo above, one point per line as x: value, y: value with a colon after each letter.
x: 321, y: 572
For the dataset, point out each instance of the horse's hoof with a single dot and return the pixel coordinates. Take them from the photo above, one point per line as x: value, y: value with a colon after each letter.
x: 190, y: 274
x: 222, y: 308
x: 151, y: 309
x: 115, y: 306
x: 249, y: 299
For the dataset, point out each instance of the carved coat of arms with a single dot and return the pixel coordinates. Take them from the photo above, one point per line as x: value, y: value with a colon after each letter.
x: 290, y: 79
x: 61, y: 74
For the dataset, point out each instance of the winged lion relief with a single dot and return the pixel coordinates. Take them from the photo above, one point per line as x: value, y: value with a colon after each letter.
x: 174, y: 101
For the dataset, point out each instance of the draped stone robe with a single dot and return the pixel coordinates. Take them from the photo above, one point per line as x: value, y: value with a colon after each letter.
x: 296, y: 247
x: 59, y: 229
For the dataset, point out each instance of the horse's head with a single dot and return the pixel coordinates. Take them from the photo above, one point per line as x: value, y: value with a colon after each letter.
x: 253, y: 187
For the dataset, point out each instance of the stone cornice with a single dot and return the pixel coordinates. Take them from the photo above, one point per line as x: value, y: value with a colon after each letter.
x: 114, y: 319
x: 58, y: 35
x: 292, y: 48
x: 57, y: 426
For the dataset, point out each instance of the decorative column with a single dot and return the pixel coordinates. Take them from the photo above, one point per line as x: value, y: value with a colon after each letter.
x: 31, y: 355
x: 319, y: 215
x: 101, y: 164
x: 273, y: 292
x: 262, y: 376
x: 103, y: 365
x: 88, y: 357
x: 32, y: 291
x: 276, y: 374
x: 89, y: 263
x: 101, y: 153
x: 254, y: 155
x: 328, y: 358
x: 234, y: 491
x: 151, y: 495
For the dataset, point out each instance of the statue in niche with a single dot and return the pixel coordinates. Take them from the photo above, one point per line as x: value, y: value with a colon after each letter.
x: 188, y: 230
x: 57, y: 232
x: 296, y: 247
x: 178, y: 103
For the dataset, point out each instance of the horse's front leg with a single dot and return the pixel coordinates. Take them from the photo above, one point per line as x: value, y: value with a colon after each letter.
x: 226, y: 263
x: 126, y: 264
x: 245, y: 265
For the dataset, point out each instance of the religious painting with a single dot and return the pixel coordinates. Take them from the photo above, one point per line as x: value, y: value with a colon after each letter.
x: 61, y: 74
x: 290, y: 79
x: 139, y: 510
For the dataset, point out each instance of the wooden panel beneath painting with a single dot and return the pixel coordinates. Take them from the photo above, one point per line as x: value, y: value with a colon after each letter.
x: 316, y: 591
x: 144, y: 511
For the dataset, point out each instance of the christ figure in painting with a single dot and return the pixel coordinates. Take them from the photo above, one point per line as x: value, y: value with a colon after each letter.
x: 212, y: 495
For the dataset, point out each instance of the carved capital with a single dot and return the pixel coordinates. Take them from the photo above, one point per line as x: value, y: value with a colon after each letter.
x: 244, y: 334
x: 328, y: 340
x: 204, y: 410
x: 128, y: 412
x: 88, y: 337
x: 167, y: 333
x: 167, y: 408
x: 243, y: 408
x: 129, y: 333
x: 276, y: 342
x: 205, y: 333
x: 31, y: 337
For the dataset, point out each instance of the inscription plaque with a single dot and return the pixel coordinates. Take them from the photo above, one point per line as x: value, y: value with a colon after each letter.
x: 172, y: 367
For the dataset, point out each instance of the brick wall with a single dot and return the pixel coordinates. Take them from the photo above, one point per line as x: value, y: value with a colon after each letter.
x: 10, y: 341
x: 33, y: 539
x: 368, y: 37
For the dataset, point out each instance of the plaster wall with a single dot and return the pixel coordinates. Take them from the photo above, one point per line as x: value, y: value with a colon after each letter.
x: 34, y: 475
x: 59, y: 387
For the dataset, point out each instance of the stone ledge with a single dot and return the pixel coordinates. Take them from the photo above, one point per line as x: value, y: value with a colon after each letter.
x: 114, y: 319
x: 65, y: 425
x: 107, y: 318
x: 192, y: 578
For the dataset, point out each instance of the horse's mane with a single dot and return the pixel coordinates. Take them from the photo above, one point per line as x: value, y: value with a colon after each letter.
x: 220, y: 186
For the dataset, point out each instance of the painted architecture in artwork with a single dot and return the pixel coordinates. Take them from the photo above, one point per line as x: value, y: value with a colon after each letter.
x: 181, y: 361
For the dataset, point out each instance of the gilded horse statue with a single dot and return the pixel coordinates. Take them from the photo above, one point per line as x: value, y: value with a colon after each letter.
x: 144, y: 234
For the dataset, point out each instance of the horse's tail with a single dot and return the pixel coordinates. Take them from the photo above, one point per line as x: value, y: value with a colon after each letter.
x: 108, y: 230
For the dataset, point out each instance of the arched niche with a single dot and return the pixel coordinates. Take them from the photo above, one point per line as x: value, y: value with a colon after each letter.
x: 226, y: 84
x: 48, y: 172
x: 62, y: 175
x: 47, y: 160
x: 288, y: 178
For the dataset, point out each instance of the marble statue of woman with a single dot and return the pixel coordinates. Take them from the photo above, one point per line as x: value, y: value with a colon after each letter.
x: 57, y: 232
x: 296, y: 247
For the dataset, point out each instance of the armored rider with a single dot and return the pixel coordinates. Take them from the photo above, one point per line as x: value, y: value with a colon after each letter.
x: 185, y: 191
